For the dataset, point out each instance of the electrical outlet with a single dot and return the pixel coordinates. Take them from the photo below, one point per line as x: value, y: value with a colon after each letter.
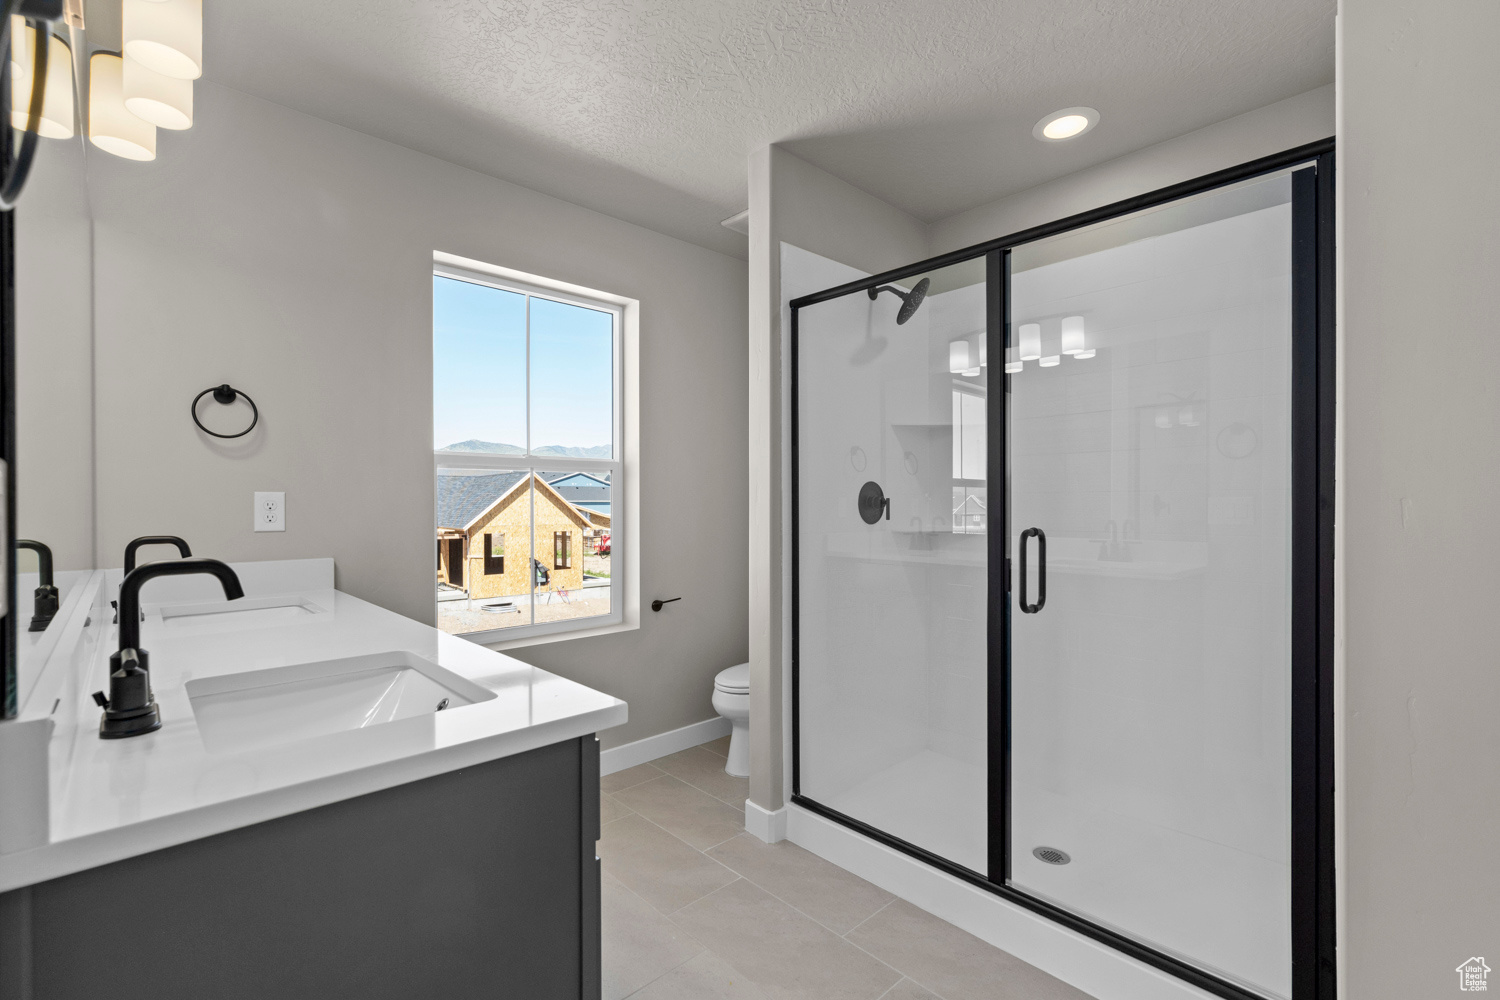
x: 270, y: 512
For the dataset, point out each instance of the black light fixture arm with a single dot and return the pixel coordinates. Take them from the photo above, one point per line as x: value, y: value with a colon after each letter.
x: 39, y: 14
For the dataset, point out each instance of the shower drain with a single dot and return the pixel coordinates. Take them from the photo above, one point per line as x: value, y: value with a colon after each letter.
x: 1051, y: 855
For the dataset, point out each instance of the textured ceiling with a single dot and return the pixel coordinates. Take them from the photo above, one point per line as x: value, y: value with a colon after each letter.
x: 647, y: 109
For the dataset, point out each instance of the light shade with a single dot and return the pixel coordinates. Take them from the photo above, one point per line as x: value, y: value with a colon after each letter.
x: 1081, y: 355
x: 57, y: 99
x: 165, y: 35
x: 958, y: 357
x: 1066, y: 124
x: 164, y: 101
x: 1031, y: 341
x: 1050, y: 361
x: 984, y: 359
x: 111, y: 127
x: 1072, y: 334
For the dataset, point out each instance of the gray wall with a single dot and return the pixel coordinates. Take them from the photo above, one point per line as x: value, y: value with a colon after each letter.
x: 791, y: 201
x: 1419, y: 253
x: 293, y: 258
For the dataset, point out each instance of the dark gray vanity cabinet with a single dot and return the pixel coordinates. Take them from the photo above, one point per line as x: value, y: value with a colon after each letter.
x: 481, y: 882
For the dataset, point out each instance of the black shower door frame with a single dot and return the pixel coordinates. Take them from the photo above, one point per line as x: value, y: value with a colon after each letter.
x: 1312, y: 507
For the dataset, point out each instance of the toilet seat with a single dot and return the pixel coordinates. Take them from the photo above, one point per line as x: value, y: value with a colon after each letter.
x: 733, y: 680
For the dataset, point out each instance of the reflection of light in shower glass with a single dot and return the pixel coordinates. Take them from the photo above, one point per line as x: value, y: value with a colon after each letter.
x: 1188, y: 418
x: 1012, y: 363
x: 1050, y: 361
x: 1164, y: 418
x: 1084, y: 354
x: 1031, y: 341
x: 983, y: 352
x: 958, y: 356
x: 1072, y: 334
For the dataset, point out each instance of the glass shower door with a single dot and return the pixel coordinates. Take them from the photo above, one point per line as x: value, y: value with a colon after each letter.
x: 891, y: 543
x: 1148, y: 443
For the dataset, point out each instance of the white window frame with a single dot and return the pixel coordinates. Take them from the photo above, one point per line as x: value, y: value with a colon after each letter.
x: 620, y: 551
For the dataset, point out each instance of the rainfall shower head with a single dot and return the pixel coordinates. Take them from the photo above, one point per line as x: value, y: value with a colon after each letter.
x: 910, y: 301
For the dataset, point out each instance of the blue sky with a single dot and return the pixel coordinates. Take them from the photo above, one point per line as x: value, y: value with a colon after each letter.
x: 479, y: 368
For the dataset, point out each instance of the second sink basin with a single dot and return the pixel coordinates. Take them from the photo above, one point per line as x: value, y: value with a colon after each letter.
x: 246, y: 612
x: 284, y: 704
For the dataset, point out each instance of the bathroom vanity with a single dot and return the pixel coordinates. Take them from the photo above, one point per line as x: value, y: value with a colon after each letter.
x: 340, y: 802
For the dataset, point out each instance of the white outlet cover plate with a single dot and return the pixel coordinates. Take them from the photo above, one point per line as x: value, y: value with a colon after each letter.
x: 270, y: 512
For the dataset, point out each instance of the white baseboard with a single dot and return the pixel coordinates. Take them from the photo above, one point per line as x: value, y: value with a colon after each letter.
x: 1077, y: 960
x: 765, y: 824
x: 661, y: 745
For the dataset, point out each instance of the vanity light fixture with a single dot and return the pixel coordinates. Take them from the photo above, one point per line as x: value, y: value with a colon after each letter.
x: 958, y: 357
x: 1081, y: 355
x: 164, y: 101
x: 1050, y: 361
x: 1031, y: 341
x: 111, y: 126
x: 57, y: 97
x: 1072, y: 334
x: 1012, y: 363
x: 1069, y: 123
x: 165, y: 36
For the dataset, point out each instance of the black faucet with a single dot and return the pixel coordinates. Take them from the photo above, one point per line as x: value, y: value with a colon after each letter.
x: 130, y: 550
x: 135, y: 544
x: 130, y: 709
x: 45, y: 608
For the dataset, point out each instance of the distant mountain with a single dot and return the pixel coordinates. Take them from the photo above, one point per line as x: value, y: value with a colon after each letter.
x: 488, y: 447
x: 558, y: 451
x: 550, y: 451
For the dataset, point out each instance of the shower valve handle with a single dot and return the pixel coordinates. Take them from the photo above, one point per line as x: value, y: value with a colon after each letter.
x: 873, y: 503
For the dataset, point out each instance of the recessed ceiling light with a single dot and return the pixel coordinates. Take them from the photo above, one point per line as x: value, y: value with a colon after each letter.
x: 1065, y: 124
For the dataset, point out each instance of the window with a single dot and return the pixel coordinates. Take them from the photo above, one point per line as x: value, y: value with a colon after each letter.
x: 494, y: 554
x: 527, y: 435
x: 969, y: 481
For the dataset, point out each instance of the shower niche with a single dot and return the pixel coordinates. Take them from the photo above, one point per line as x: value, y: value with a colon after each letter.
x: 1132, y: 409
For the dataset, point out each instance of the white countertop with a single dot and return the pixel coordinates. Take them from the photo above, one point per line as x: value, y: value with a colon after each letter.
x: 112, y: 799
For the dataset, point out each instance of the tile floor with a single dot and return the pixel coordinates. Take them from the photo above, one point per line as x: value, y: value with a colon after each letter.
x: 697, y: 909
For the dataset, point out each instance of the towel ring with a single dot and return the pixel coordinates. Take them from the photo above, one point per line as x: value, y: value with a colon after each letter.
x: 226, y: 394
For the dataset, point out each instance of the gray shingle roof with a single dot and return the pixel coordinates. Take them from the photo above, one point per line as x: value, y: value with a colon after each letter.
x: 583, y: 494
x: 460, y: 499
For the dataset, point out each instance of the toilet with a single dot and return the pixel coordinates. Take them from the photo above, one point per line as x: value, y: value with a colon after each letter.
x: 732, y: 701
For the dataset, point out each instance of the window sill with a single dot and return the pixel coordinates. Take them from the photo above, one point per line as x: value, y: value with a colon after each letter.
x: 489, y: 641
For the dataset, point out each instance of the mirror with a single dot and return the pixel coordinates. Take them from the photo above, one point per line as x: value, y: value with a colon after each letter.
x: 52, y: 467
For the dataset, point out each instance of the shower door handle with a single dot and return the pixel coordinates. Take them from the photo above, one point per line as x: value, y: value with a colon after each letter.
x: 1041, y: 570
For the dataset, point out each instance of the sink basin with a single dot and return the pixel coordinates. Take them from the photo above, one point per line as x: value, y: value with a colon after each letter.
x: 284, y: 704
x: 245, y: 612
